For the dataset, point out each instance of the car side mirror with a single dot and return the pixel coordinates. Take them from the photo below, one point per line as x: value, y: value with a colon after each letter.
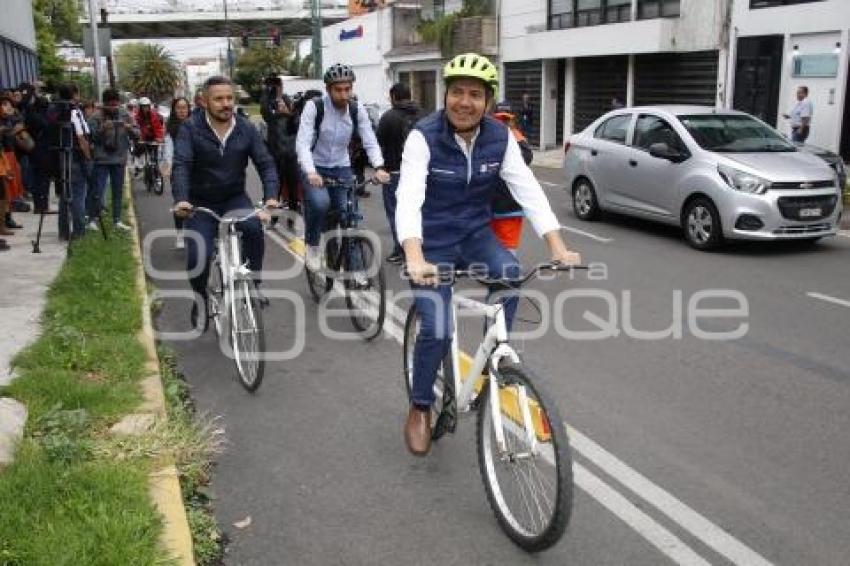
x: 664, y: 151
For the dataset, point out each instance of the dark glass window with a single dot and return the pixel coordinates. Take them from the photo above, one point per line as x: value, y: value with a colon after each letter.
x: 652, y: 129
x: 648, y: 9
x: 774, y: 3
x: 565, y: 14
x: 614, y: 129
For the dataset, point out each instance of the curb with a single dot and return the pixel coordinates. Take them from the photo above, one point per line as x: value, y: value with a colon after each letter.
x: 163, y: 484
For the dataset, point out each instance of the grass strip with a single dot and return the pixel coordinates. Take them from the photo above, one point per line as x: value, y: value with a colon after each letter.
x: 70, y: 497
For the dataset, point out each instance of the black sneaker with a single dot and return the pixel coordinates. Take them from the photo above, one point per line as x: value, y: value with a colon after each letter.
x: 396, y: 257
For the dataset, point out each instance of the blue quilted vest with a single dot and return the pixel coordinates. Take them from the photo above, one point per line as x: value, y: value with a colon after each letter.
x: 456, y: 204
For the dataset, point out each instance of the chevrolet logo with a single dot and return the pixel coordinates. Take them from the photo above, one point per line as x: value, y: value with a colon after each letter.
x: 805, y: 186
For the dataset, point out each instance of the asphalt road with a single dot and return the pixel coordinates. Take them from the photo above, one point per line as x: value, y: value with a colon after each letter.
x: 688, y: 450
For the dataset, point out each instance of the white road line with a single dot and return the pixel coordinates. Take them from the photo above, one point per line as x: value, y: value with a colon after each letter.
x: 844, y: 233
x: 548, y: 184
x: 587, y: 234
x: 829, y: 299
x: 700, y: 527
x: 665, y: 541
x: 656, y: 534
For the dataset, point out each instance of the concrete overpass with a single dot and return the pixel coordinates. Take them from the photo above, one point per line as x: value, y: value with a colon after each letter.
x: 210, y: 22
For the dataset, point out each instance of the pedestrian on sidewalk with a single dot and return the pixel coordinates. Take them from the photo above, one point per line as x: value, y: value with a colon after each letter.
x: 11, y: 126
x: 526, y: 115
x: 800, y: 116
x: 111, y: 127
x: 392, y: 132
x: 5, y: 179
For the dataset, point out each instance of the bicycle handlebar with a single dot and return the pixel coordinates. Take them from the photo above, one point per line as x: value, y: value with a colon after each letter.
x: 334, y: 182
x: 450, y: 276
x: 230, y: 220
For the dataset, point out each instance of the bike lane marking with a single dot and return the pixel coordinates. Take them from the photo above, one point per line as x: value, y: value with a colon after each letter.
x: 572, y: 230
x: 829, y: 299
x: 656, y: 534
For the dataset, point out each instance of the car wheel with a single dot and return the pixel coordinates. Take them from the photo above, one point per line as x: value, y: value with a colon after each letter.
x: 585, y: 204
x: 701, y: 223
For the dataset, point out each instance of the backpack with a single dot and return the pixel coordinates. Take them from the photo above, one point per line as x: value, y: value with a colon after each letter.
x: 109, y: 135
x: 353, y: 111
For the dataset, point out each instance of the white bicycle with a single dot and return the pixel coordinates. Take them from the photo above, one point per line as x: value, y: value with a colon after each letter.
x: 233, y: 303
x: 523, y: 450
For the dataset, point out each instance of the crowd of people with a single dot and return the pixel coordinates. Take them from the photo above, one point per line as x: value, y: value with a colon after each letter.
x: 79, y: 147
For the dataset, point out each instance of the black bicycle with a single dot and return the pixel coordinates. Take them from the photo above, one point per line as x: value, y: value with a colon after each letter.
x: 152, y: 175
x: 350, y: 258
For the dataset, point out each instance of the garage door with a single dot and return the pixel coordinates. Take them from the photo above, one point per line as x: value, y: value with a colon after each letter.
x: 525, y: 77
x: 676, y: 78
x: 598, y: 80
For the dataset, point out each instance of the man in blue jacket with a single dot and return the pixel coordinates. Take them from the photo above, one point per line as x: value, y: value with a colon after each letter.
x: 210, y: 157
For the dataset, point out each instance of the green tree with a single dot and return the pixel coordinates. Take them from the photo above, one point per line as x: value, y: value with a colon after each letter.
x: 147, y: 69
x: 259, y: 61
x: 55, y: 20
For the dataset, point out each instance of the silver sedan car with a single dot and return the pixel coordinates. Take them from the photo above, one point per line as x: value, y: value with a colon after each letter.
x: 719, y: 174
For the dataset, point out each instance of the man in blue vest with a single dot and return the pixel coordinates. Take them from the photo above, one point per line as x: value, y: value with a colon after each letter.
x: 452, y: 162
x: 324, y: 133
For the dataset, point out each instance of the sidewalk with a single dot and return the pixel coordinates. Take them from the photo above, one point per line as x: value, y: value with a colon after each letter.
x: 550, y: 158
x: 24, y: 283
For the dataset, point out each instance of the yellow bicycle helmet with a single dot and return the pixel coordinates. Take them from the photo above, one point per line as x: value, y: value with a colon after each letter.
x: 472, y: 66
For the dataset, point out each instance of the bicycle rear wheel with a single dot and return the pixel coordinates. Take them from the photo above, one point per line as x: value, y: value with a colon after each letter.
x: 158, y: 182
x: 249, y: 341
x: 529, y: 490
x: 317, y: 282
x: 365, y: 288
x: 443, y: 384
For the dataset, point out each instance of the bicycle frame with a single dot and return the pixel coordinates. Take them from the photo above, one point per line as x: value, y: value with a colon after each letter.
x: 493, y: 348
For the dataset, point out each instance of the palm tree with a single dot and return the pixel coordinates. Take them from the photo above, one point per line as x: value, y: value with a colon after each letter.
x: 153, y: 71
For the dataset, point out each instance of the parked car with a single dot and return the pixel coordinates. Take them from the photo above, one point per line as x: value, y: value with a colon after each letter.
x: 717, y: 174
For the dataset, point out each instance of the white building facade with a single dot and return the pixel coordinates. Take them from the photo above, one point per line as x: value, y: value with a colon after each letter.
x: 18, y: 59
x: 199, y: 69
x: 780, y: 45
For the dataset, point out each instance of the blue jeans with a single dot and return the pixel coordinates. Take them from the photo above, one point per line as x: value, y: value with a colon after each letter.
x: 113, y: 172
x: 481, y: 248
x: 206, y: 228
x: 317, y: 201
x: 390, y: 202
x: 79, y: 186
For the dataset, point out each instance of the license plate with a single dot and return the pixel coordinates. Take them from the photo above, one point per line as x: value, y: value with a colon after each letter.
x: 810, y: 212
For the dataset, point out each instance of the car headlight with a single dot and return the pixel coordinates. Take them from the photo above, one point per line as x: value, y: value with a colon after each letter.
x: 743, y: 181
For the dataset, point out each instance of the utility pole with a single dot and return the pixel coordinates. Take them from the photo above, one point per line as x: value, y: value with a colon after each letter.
x: 229, y: 48
x: 316, y: 13
x: 95, y: 47
x: 110, y: 69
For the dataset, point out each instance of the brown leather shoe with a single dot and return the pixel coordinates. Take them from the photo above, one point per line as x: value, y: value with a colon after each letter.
x: 417, y: 431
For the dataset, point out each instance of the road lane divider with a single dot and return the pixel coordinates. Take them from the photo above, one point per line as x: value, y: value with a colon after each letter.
x: 829, y: 299
x: 587, y: 234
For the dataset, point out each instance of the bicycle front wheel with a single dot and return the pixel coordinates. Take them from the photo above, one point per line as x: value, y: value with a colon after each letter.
x: 217, y: 309
x: 529, y: 480
x: 249, y: 341
x: 365, y: 288
x: 158, y: 182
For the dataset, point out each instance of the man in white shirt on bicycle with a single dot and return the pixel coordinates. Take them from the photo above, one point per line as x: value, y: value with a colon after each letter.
x: 451, y: 165
x: 324, y: 133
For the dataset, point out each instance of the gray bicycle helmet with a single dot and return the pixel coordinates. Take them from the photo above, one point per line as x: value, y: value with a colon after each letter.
x: 338, y: 73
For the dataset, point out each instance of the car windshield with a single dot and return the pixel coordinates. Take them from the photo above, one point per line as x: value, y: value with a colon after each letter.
x: 734, y: 133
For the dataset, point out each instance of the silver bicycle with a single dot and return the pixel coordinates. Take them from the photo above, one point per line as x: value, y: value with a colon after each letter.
x: 233, y: 304
x: 523, y: 450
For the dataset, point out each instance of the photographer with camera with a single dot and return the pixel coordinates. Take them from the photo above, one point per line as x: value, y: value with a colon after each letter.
x: 111, y: 128
x: 69, y: 136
